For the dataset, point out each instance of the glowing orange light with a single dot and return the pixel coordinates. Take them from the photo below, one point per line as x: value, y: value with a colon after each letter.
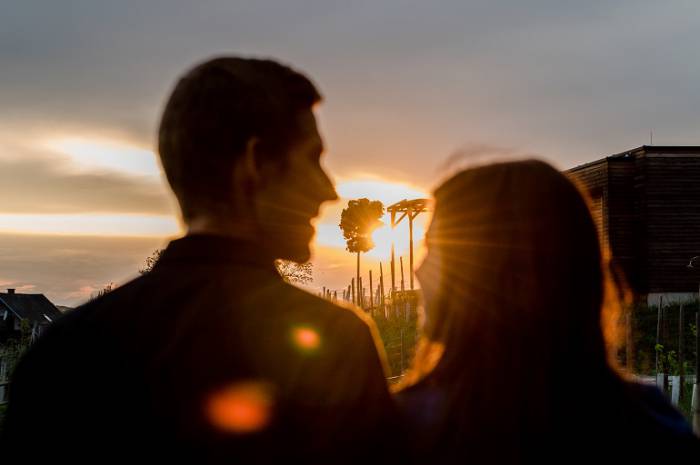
x: 306, y: 338
x: 243, y: 407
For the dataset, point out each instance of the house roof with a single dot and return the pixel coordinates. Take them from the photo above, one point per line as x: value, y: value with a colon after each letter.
x: 34, y: 307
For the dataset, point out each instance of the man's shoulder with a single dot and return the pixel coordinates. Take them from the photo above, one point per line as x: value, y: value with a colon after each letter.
x: 342, y: 313
x: 93, y: 317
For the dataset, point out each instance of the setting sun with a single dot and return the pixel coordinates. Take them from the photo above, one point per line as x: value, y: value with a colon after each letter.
x: 387, y: 192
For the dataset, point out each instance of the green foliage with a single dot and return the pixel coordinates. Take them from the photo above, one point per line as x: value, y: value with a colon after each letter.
x: 668, y: 361
x: 399, y: 336
x: 3, y: 408
x: 11, y: 352
x: 645, y: 347
x: 357, y: 221
x: 295, y: 273
x: 685, y: 401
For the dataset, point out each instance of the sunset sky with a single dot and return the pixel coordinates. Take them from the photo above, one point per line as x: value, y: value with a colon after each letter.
x: 408, y: 85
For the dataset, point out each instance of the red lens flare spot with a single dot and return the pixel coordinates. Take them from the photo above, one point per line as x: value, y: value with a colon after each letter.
x: 306, y: 338
x: 241, y: 408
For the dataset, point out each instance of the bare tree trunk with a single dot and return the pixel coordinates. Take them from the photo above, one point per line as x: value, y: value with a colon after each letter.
x: 359, y: 290
x: 381, y: 288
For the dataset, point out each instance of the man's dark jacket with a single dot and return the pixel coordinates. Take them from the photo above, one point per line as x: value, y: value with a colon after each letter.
x: 131, y: 376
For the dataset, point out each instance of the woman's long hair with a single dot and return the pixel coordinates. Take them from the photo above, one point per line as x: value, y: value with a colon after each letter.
x: 514, y: 282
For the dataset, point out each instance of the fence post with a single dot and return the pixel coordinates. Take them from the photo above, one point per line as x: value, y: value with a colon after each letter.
x: 381, y: 287
x: 352, y: 284
x: 658, y: 339
x: 681, y: 343
x: 695, y: 404
x: 401, y: 350
x: 360, y: 293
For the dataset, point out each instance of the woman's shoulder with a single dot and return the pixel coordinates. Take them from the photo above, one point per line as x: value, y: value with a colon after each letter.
x: 663, y: 415
x: 421, y: 404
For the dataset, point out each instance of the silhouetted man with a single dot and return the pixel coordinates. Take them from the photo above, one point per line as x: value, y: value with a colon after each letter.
x: 211, y: 357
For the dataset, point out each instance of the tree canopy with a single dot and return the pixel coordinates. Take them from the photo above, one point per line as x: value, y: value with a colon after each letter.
x: 357, y: 221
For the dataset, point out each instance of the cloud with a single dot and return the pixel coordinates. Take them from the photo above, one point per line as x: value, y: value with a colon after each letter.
x: 68, y: 269
x: 44, y: 185
x: 405, y: 82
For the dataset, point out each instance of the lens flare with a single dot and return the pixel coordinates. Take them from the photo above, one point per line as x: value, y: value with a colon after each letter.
x: 241, y: 408
x: 306, y: 339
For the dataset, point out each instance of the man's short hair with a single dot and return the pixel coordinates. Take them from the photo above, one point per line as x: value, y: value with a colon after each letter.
x: 213, y: 112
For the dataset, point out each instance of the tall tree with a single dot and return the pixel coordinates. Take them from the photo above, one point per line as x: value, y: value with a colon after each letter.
x: 358, y: 221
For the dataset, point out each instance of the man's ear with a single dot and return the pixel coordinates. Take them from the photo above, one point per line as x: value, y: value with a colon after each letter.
x: 250, y: 163
x: 247, y: 176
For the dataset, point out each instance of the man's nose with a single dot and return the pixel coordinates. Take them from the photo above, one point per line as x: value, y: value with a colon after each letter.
x: 327, y: 191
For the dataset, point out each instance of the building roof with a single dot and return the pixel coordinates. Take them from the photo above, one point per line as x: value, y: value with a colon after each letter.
x: 34, y: 307
x: 644, y: 149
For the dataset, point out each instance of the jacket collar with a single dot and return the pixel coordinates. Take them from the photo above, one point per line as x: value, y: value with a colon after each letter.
x: 214, y: 249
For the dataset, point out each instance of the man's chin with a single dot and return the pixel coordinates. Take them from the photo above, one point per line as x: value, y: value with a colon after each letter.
x: 293, y: 246
x: 298, y: 252
x: 297, y: 256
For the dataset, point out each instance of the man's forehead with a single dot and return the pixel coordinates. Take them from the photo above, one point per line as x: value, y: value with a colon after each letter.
x: 309, y: 130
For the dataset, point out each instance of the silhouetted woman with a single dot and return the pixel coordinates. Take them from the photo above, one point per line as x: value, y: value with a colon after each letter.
x: 514, y: 365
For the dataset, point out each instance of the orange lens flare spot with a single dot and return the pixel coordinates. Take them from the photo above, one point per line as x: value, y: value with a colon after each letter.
x: 306, y: 338
x: 242, y: 408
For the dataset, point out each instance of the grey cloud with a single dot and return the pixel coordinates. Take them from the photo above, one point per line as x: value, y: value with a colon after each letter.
x: 40, y: 185
x: 406, y: 81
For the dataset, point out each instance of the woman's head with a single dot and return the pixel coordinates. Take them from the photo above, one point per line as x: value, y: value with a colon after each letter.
x: 514, y: 273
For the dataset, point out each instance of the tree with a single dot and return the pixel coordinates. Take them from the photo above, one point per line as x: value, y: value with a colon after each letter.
x: 295, y: 273
x: 358, y: 221
x: 151, y: 260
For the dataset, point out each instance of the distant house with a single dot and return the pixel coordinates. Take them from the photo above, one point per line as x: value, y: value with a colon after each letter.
x: 646, y: 204
x: 34, y: 309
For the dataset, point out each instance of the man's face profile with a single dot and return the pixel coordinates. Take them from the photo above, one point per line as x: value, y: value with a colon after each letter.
x: 292, y: 194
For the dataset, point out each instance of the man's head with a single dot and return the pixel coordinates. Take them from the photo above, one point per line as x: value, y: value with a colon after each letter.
x: 240, y: 148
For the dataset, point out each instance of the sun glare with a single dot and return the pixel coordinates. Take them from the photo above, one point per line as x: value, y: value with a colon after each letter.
x: 241, y: 408
x: 388, y: 192
x: 384, y: 236
x: 305, y: 338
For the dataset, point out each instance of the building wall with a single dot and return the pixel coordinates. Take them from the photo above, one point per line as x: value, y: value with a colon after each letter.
x: 626, y: 237
x: 647, y: 205
x: 672, y: 185
x: 593, y: 179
